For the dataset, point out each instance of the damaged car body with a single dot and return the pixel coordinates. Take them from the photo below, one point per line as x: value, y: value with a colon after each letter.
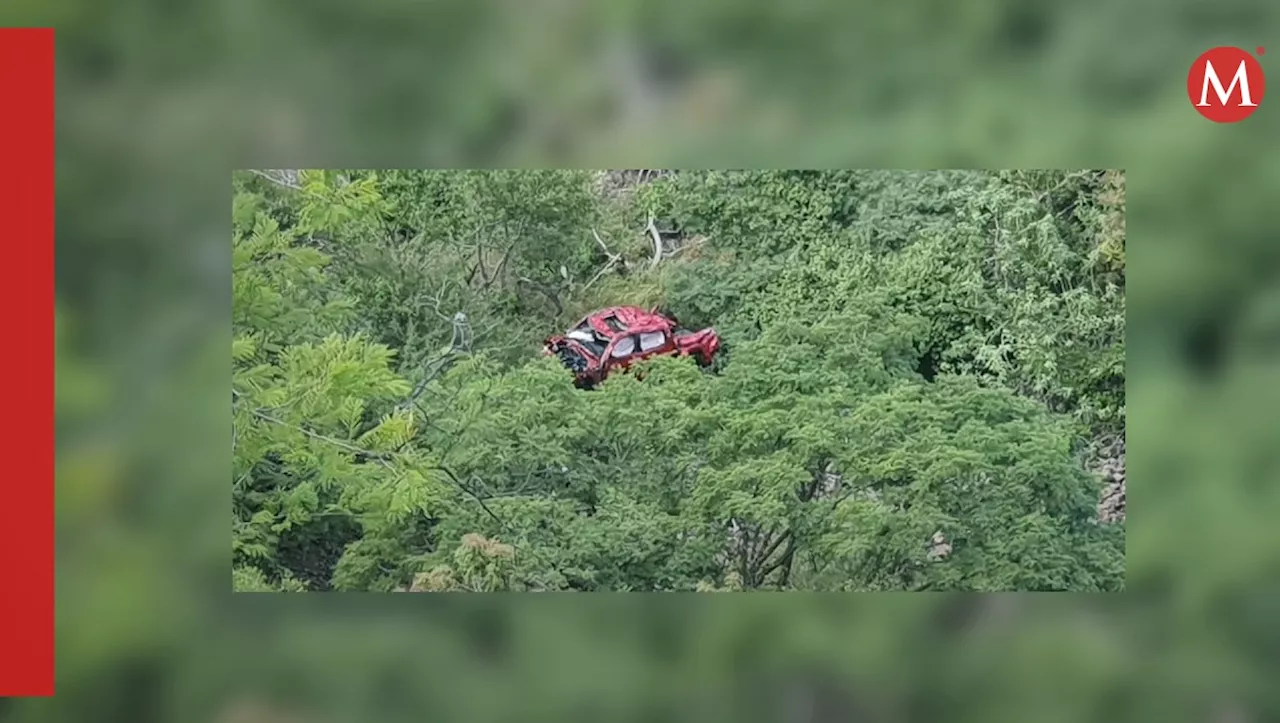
x: 619, y: 336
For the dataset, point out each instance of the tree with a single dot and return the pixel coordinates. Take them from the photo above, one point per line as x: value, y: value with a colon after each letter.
x: 914, y: 367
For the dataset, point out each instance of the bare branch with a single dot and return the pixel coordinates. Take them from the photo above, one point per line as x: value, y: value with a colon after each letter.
x: 502, y: 264
x: 379, y: 457
x: 439, y: 299
x: 604, y: 270
x: 784, y: 560
x: 684, y: 246
x: 600, y: 241
x: 613, y: 260
x: 545, y: 291
x: 435, y: 368
x: 657, y: 243
x: 484, y: 272
x: 777, y: 542
x: 277, y: 181
x: 474, y: 495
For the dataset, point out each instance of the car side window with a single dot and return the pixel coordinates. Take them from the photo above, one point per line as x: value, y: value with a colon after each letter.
x: 625, y: 347
x: 651, y: 340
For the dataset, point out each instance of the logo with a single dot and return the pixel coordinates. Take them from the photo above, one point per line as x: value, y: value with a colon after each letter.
x: 1226, y: 84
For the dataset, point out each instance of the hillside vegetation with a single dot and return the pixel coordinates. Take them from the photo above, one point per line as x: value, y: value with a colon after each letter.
x: 921, y: 387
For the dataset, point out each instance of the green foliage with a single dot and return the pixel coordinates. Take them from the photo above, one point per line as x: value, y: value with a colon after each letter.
x: 913, y: 365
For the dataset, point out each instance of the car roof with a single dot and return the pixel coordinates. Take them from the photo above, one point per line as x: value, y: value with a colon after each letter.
x: 616, y: 320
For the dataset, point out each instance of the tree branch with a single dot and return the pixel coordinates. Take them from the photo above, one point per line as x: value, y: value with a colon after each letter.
x: 545, y: 291
x: 786, y: 558
x: 600, y: 241
x: 379, y: 457
x: 613, y: 260
x: 503, y: 262
x: 457, y: 482
x: 484, y: 273
x: 657, y: 243
x: 273, y: 179
x: 773, y: 548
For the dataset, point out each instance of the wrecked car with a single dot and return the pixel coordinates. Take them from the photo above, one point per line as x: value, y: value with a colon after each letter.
x: 619, y: 336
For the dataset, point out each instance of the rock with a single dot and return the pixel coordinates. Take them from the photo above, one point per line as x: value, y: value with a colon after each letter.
x: 1107, y: 460
x: 939, y: 548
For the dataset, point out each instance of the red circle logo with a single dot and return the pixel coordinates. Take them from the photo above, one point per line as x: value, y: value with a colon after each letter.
x: 1226, y: 84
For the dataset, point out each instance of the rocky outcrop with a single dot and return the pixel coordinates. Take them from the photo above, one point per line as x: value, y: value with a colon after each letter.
x: 1108, y: 462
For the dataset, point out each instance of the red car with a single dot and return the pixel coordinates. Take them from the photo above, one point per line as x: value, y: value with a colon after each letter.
x: 617, y: 337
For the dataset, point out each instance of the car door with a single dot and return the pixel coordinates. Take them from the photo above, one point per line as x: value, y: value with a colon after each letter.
x: 650, y: 343
x: 621, y: 352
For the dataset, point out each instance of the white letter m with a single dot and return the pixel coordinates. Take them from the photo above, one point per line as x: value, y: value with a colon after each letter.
x: 1211, y: 76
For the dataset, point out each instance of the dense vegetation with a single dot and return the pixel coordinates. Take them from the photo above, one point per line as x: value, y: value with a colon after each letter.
x: 923, y: 374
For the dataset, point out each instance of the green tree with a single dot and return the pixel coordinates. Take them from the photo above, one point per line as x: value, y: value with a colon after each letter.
x: 914, y: 367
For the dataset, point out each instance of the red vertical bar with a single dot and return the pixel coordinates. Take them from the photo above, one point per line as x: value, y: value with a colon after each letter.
x: 26, y: 296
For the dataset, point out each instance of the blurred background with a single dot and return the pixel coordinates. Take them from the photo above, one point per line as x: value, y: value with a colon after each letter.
x: 158, y: 101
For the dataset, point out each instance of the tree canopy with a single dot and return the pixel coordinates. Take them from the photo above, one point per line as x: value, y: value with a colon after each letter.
x: 921, y: 385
